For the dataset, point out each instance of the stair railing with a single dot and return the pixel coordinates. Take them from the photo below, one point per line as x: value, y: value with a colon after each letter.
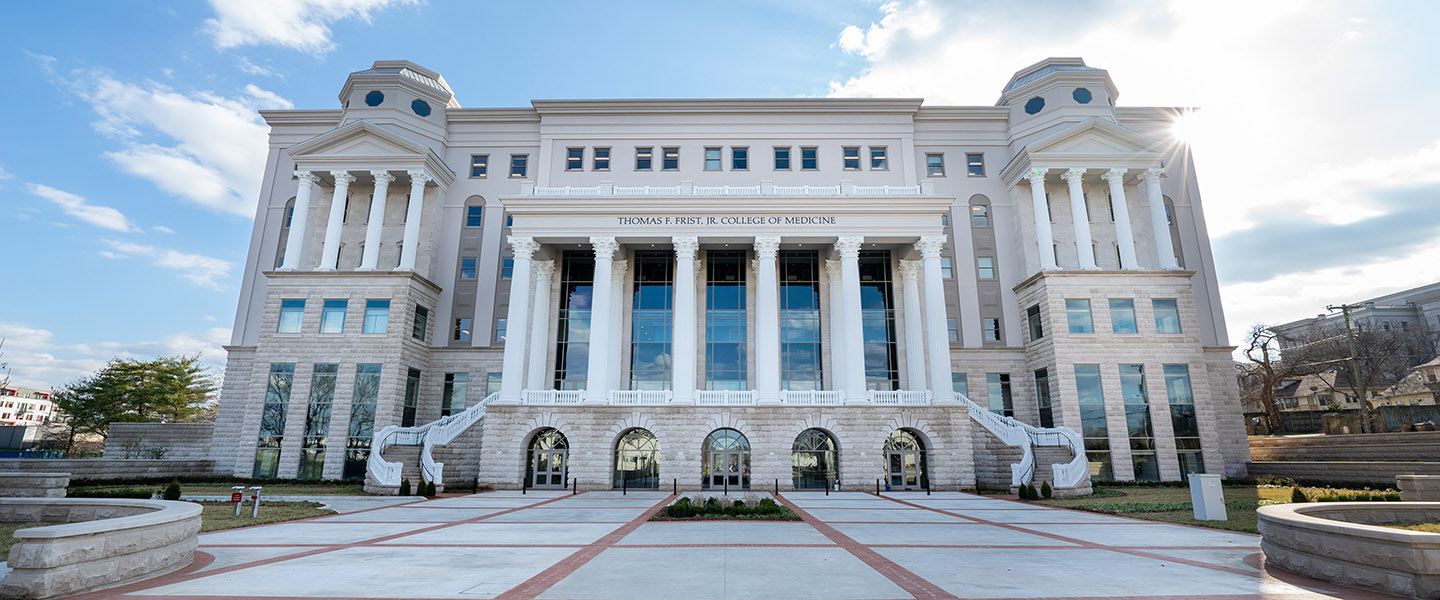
x: 1026, y: 437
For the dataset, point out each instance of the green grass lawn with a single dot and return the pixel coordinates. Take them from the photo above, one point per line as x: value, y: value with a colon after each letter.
x: 216, y: 489
x: 215, y: 516
x: 7, y: 535
x: 1172, y: 505
x: 1425, y: 527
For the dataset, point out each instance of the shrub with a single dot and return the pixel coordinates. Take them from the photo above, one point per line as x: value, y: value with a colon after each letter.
x: 739, y: 503
x: 139, y: 493
x: 1031, y: 491
x: 712, y: 505
x: 1045, y: 490
x: 1298, y: 495
x: 172, y: 491
x: 769, y: 506
x: 404, y: 487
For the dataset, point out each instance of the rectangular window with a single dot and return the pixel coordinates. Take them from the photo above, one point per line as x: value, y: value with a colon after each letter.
x: 332, y: 319
x: 492, y: 384
x: 947, y: 268
x: 1077, y: 313
x: 1093, y: 425
x: 644, y: 157
x: 474, y: 216
x: 740, y: 159
x: 1137, y: 422
x: 975, y: 165
x: 809, y: 158
x: 782, y: 158
x: 362, y: 420
x: 959, y: 385
x: 291, y: 313
x: 468, y: 267
x: 725, y: 340
x: 877, y: 314
x: 998, y: 385
x: 992, y: 329
x: 421, y: 324
x: 1167, y: 316
x: 377, y: 316
x: 985, y: 267
x: 670, y: 159
x: 935, y: 165
x: 462, y: 329
x: 1183, y: 419
x: 712, y: 159
x: 479, y: 165
x: 577, y: 274
x: 851, y: 156
x: 411, y: 401
x: 1122, y: 316
x: 453, y: 399
x: 878, y: 159
x: 500, y: 325
x: 518, y: 164
x: 945, y: 219
x: 272, y: 421
x: 979, y: 215
x: 800, y: 329
x: 507, y: 267
x: 602, y: 159
x: 1042, y: 398
x: 953, y: 325
x: 509, y: 220
x: 652, y: 317
x: 574, y: 159
x: 1032, y: 319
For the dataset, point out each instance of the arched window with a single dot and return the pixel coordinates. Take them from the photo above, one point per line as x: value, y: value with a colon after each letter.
x: 979, y: 212
x: 905, y: 461
x: 547, y: 459
x: 637, y: 460
x: 726, y: 457
x: 285, y: 218
x: 814, y: 463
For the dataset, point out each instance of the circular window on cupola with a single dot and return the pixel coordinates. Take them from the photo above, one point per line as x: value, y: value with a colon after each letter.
x: 374, y: 98
x: 1082, y: 95
x: 1034, y: 105
x: 421, y: 108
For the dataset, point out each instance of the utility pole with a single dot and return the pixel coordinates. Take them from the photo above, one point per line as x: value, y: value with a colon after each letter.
x: 1355, y: 366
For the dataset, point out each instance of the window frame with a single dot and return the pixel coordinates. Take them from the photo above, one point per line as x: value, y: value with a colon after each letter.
x: 481, y: 161
x: 595, y: 158
x: 507, y: 268
x: 947, y: 267
x: 474, y: 268
x: 1135, y: 323
x: 289, y: 306
x: 460, y: 326
x: 884, y: 158
x: 471, y: 213
x: 374, y: 305
x: 984, y: 208
x: 1175, y: 306
x: 1034, y: 323
x: 719, y: 158
x: 775, y: 157
x: 502, y: 329
x: 420, y: 323
x: 666, y: 159
x: 327, y: 307
x: 970, y: 167
x: 986, y: 330
x: 981, y: 268
x: 649, y: 158
x: 520, y: 162
x: 930, y: 169
x: 845, y: 158
x: 1072, y: 309
x: 735, y: 154
x: 814, y: 159
x: 575, y: 159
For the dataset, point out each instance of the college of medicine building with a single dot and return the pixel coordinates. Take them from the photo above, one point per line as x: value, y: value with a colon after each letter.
x: 729, y: 293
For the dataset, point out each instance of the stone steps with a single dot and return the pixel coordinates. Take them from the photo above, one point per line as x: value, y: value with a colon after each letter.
x: 1380, y: 473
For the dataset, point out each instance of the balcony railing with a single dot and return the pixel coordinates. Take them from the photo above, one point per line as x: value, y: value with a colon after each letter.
x: 900, y: 397
x: 552, y: 397
x: 640, y: 397
x: 812, y: 397
x: 725, y: 397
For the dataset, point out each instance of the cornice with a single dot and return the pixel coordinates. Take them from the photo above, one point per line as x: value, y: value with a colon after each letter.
x: 331, y: 276
x: 684, y: 205
x: 492, y: 115
x: 963, y: 113
x: 327, y: 116
x: 1108, y: 273
x: 728, y: 105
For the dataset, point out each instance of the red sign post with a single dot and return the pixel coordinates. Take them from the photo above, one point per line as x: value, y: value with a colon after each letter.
x: 236, y: 496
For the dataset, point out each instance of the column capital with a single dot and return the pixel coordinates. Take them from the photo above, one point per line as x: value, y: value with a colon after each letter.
x: 849, y: 246
x: 605, y: 247
x: 910, y: 269
x: 524, y: 246
x: 543, y: 269
x: 1073, y: 176
x: 686, y: 246
x: 382, y: 177
x: 619, y: 267
x: 342, y: 177
x: 1152, y: 175
x: 767, y: 247
x: 930, y: 245
x: 307, y: 177
x: 1114, y: 176
x: 1036, y: 176
x: 832, y: 269
x: 420, y: 177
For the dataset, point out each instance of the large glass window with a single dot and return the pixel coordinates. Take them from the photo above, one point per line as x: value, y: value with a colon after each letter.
x: 1183, y: 419
x: 362, y: 420
x: 1137, y: 421
x: 1032, y: 319
x: 725, y: 461
x: 800, y: 353
x: 572, y: 352
x: 421, y: 324
x: 877, y: 313
x: 377, y: 316
x: 453, y: 398
x: 291, y: 313
x: 411, y: 401
x: 813, y: 460
x: 1042, y: 398
x: 272, y: 420
x: 651, y: 320
x: 725, y: 357
x: 1167, y: 316
x: 1093, y: 425
x: 317, y: 422
x: 637, y: 460
x: 1122, y: 316
x: 1077, y: 314
x: 998, y: 387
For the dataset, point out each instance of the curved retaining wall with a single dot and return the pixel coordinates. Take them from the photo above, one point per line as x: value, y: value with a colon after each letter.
x: 33, y: 485
x: 1340, y: 542
x: 99, y: 543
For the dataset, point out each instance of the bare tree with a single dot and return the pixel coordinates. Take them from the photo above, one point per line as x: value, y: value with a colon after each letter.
x: 1381, y: 358
x: 4, y: 366
x: 1266, y: 370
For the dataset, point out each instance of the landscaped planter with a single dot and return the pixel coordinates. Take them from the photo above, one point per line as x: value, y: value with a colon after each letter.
x: 1344, y: 542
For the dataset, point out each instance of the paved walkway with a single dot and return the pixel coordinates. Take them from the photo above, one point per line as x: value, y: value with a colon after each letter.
x: 599, y: 545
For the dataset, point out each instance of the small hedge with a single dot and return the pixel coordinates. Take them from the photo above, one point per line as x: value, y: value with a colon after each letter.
x: 765, y: 509
x: 143, y: 494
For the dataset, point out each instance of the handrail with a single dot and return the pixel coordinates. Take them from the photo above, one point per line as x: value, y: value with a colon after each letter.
x: 444, y: 431
x: 1025, y: 436
x: 388, y: 473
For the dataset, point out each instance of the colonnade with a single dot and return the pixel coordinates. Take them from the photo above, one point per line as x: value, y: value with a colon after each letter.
x: 330, y: 250
x: 1080, y: 216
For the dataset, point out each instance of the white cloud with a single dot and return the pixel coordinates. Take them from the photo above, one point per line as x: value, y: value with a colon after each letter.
x: 250, y: 68
x: 78, y: 207
x: 296, y: 24
x: 37, y: 359
x: 162, y: 229
x: 201, y: 270
x: 5, y: 175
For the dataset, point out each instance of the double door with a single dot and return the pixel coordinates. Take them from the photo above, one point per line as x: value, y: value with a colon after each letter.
x: 728, y: 469
x: 548, y: 469
x: 903, y: 469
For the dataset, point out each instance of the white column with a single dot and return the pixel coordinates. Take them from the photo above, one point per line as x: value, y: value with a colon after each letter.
x: 411, y: 245
x: 683, y: 345
x: 1123, y: 234
x: 598, y: 368
x: 512, y: 378
x: 837, y: 326
x: 618, y: 304
x: 535, y: 372
x: 854, y: 370
x: 295, y: 244
x: 1044, y: 240
x: 371, y: 256
x: 914, y: 330
x: 1160, y: 225
x: 339, y: 203
x: 767, y: 320
x: 1080, y: 215
x: 937, y: 342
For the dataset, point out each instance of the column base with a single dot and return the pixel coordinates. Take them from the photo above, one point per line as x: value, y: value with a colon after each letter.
x: 326, y: 269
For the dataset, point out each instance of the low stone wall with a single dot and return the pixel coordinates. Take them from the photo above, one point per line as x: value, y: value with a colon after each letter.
x: 33, y: 485
x: 1417, y: 446
x: 1340, y: 542
x: 1372, y: 473
x: 1419, y: 488
x: 101, y: 468
x: 176, y: 441
x: 100, y: 543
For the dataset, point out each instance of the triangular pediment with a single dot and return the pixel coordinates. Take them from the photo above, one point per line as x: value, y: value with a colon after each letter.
x: 361, y: 138
x: 1095, y: 136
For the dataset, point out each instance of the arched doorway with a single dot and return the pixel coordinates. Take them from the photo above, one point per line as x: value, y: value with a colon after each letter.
x: 726, y: 457
x: 548, y: 459
x: 814, y: 464
x: 905, y: 460
x: 637, y: 460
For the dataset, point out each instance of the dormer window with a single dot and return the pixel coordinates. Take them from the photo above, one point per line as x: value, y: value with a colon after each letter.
x: 374, y: 98
x: 421, y: 108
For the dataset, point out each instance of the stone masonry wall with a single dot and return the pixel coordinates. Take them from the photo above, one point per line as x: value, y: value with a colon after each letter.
x: 178, y: 440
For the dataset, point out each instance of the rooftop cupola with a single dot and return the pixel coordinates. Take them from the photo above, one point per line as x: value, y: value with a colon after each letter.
x: 401, y: 93
x: 1056, y: 90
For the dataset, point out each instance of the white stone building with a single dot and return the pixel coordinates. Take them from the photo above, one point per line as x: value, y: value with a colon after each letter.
x: 25, y: 406
x: 730, y: 293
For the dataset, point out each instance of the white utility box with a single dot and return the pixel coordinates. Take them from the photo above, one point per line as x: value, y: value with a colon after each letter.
x: 1207, y: 497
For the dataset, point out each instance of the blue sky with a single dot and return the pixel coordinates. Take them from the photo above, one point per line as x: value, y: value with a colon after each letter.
x: 132, y: 155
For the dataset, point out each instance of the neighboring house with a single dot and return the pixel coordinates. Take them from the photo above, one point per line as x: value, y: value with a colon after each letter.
x: 1418, y: 388
x: 1318, y: 391
x: 25, y: 406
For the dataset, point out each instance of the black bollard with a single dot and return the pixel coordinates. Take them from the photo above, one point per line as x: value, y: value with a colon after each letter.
x: 777, y: 487
x: 524, y: 485
x: 877, y: 487
x: 827, y: 487
x: 727, y: 485
x: 675, y: 487
x: 927, y: 486
x: 574, y: 486
x: 624, y: 485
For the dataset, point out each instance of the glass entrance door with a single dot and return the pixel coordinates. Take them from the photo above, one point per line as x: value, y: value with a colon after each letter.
x: 904, y: 469
x: 549, y: 469
x: 729, y: 469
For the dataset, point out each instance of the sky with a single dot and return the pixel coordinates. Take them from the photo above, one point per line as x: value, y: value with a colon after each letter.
x: 131, y: 158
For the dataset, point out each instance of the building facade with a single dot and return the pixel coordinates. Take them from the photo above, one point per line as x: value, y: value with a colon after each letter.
x: 25, y: 406
x: 729, y: 293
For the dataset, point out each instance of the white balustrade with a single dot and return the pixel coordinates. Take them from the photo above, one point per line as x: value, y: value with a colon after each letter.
x: 1023, y: 435
x: 552, y: 397
x: 640, y: 397
x: 806, y: 190
x: 647, y: 190
x: 570, y: 191
x: 812, y: 397
x: 435, y: 433
x: 900, y: 397
x: 725, y: 397
x: 887, y: 190
x: 726, y: 190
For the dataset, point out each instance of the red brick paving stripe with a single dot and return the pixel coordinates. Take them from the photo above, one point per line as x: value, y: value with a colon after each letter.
x: 917, y: 586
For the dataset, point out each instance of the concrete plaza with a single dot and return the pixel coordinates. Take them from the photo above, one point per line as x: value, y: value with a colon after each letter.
x: 600, y: 545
